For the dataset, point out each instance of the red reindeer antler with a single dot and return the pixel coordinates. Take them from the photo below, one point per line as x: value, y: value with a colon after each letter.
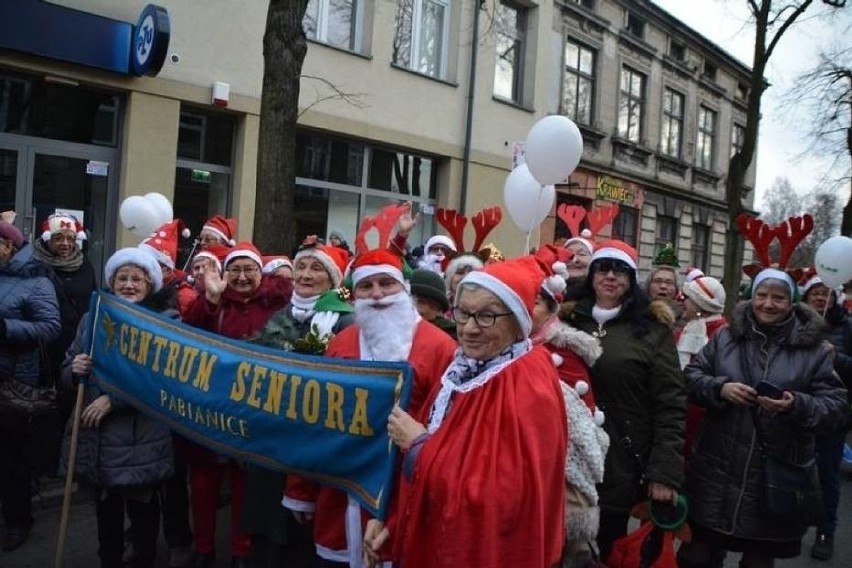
x: 484, y: 222
x: 790, y: 233
x: 600, y: 217
x: 384, y: 221
x: 759, y: 234
x: 572, y: 216
x: 361, y: 238
x: 454, y: 222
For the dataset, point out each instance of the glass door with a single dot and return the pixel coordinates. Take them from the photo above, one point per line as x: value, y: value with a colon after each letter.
x: 12, y: 174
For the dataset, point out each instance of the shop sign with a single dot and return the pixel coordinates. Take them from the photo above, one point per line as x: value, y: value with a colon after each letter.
x: 201, y: 176
x: 96, y: 168
x: 617, y: 190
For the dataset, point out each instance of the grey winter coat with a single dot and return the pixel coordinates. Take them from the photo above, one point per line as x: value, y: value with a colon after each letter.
x: 30, y: 315
x: 724, y: 472
x: 129, y: 449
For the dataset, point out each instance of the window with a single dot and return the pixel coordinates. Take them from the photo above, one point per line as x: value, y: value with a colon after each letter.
x: 588, y: 4
x: 634, y: 25
x: 700, y: 246
x: 742, y: 92
x: 625, y: 225
x: 631, y: 104
x: 704, y: 147
x: 709, y: 71
x: 737, y: 139
x: 677, y: 50
x: 510, y: 26
x: 670, y: 142
x: 578, y: 82
x: 420, y: 39
x: 666, y: 230
x: 203, y: 174
x: 333, y: 22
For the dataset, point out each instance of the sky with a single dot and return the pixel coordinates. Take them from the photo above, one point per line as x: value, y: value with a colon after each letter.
x: 782, y: 144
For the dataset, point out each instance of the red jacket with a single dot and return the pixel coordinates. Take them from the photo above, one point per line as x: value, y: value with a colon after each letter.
x: 336, y: 516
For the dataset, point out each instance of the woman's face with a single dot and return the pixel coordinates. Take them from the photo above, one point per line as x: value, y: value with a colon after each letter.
x: 663, y: 285
x: 131, y: 283
x: 208, y: 237
x: 62, y: 243
x: 818, y: 297
x: 243, y: 275
x: 611, y: 281
x: 690, y: 309
x: 310, y: 278
x: 771, y: 302
x: 541, y: 313
x: 456, y: 278
x: 484, y: 343
x: 579, y: 266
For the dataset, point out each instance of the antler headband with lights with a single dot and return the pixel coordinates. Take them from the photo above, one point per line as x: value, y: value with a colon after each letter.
x: 484, y: 222
x: 790, y: 234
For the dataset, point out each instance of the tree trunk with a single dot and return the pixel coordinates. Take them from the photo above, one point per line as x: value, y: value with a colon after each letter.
x: 284, y: 49
x: 846, y: 224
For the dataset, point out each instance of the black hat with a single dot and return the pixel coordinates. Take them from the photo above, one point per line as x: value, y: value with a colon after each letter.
x: 428, y: 284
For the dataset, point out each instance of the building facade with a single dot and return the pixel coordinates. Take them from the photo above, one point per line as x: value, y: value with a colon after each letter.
x: 384, y: 114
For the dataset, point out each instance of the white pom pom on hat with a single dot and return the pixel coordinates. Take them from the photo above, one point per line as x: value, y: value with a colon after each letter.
x: 582, y: 387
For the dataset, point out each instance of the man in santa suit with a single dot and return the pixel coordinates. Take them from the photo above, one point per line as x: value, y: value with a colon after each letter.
x: 387, y: 328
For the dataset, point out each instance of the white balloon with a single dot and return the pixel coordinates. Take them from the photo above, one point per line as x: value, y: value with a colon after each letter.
x: 527, y: 202
x: 139, y: 216
x: 162, y: 205
x: 553, y: 149
x: 833, y: 261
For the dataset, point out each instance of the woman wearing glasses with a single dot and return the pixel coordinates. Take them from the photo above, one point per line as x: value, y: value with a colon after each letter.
x: 236, y: 304
x: 485, y: 456
x: 637, y: 383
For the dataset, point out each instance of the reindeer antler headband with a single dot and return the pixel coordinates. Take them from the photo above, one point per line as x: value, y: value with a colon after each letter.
x: 484, y: 222
x: 790, y: 234
x: 596, y: 219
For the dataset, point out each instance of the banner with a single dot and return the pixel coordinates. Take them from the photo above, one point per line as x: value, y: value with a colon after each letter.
x: 317, y: 417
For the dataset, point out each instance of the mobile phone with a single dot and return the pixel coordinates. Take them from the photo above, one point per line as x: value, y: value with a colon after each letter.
x: 767, y: 389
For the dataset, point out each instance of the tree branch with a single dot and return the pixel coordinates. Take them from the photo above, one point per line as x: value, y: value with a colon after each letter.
x: 787, y: 23
x: 337, y: 93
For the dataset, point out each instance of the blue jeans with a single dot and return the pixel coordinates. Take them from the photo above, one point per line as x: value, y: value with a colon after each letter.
x: 829, y: 450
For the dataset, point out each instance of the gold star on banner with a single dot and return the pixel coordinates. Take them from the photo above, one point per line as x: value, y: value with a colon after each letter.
x: 109, y: 328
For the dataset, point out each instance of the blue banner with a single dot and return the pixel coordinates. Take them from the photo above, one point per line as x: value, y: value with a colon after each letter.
x: 317, y: 417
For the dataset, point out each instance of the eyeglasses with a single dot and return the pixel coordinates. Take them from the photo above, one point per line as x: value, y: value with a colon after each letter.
x: 661, y: 281
x: 237, y: 270
x: 607, y: 265
x: 134, y: 280
x: 482, y: 319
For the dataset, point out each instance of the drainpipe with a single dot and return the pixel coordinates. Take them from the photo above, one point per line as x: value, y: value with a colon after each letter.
x: 471, y: 95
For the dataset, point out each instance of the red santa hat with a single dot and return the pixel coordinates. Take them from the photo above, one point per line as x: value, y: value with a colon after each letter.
x: 692, y: 273
x: 516, y: 282
x: 273, y: 263
x: 439, y: 240
x: 216, y: 253
x: 378, y: 261
x: 244, y: 249
x: 223, y: 227
x: 333, y: 259
x: 585, y: 239
x: 163, y: 243
x: 555, y: 261
x: 62, y: 222
x: 617, y: 250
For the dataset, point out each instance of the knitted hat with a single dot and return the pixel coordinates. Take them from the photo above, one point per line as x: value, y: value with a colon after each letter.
x: 163, y: 243
x: 223, y: 227
x: 216, y: 253
x: 378, y: 261
x: 585, y: 239
x: 465, y: 260
x: 439, y: 240
x: 428, y: 284
x: 707, y: 292
x: 618, y: 250
x: 774, y: 274
x: 333, y: 259
x: 136, y: 257
x: 244, y: 250
x: 692, y: 273
x: 61, y: 222
x: 10, y: 232
x: 273, y: 263
x: 516, y: 282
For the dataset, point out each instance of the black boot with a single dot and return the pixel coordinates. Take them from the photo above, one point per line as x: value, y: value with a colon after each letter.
x: 823, y: 548
x: 16, y: 535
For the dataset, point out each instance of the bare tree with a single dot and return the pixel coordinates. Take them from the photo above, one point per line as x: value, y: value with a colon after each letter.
x: 284, y: 49
x: 771, y: 22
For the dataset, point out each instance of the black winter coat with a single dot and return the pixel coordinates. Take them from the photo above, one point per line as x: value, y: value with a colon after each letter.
x: 725, y: 468
x: 638, y: 384
x: 73, y: 291
x: 839, y: 334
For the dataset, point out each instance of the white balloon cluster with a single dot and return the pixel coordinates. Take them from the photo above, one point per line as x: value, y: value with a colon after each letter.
x: 552, y: 151
x: 142, y: 214
x: 833, y: 261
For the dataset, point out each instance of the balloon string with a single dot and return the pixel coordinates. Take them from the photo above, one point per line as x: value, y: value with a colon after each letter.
x: 827, y: 302
x: 527, y: 247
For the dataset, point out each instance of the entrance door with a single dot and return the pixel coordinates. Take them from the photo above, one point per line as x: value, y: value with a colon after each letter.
x: 39, y: 178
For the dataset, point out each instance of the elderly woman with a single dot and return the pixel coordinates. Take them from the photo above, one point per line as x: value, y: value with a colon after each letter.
x: 638, y: 384
x: 582, y: 249
x: 768, y: 339
x: 486, y: 454
x: 458, y: 269
x: 236, y: 304
x: 29, y: 318
x: 122, y: 456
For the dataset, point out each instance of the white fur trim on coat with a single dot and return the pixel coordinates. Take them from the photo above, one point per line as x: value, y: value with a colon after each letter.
x: 583, y: 344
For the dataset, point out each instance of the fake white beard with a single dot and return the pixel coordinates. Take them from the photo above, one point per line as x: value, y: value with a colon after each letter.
x: 431, y: 262
x: 387, y: 333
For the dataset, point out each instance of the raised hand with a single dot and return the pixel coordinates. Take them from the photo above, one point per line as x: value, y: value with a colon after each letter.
x: 214, y: 285
x: 406, y: 222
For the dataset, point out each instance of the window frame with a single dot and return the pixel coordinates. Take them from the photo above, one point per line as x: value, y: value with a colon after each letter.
x: 737, y: 142
x: 634, y: 22
x: 579, y: 76
x: 664, y: 240
x: 631, y: 100
x: 667, y: 119
x: 356, y: 26
x: 701, y: 254
x: 415, y: 33
x: 703, y: 135
x: 522, y: 31
x: 624, y: 213
x: 680, y: 46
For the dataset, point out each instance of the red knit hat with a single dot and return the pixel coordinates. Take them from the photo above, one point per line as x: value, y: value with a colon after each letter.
x: 333, y: 259
x: 216, y: 253
x: 163, y: 243
x: 516, y: 282
x: 223, y: 227
x: 62, y: 222
x: 378, y: 261
x: 618, y: 250
x: 244, y: 249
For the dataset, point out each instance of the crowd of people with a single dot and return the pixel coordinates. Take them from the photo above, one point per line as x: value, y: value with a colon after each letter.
x: 551, y: 394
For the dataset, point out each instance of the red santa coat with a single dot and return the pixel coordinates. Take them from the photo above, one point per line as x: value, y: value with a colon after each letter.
x: 338, y: 519
x: 489, y: 485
